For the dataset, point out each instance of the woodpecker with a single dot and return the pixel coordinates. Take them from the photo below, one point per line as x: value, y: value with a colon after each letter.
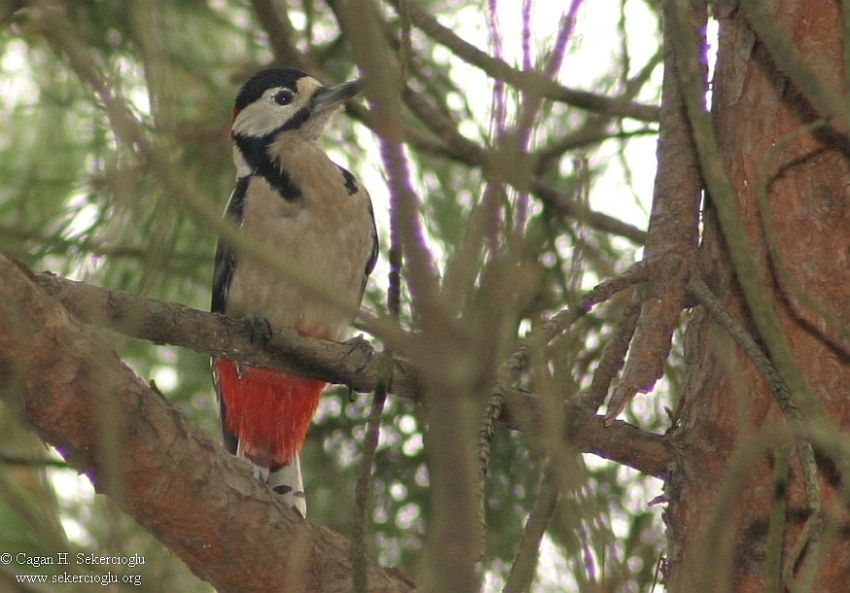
x: 312, y: 213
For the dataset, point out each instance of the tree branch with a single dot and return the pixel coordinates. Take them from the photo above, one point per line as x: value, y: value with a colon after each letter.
x: 275, y: 22
x: 354, y: 366
x: 531, y: 82
x: 673, y: 224
x: 171, y: 476
x: 217, y: 335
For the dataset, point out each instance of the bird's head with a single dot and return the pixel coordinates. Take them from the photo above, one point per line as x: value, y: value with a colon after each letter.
x: 285, y: 100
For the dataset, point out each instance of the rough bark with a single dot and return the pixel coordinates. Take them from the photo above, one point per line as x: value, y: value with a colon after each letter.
x: 729, y: 477
x: 72, y: 389
x: 172, y: 323
x: 673, y: 229
x: 168, y: 474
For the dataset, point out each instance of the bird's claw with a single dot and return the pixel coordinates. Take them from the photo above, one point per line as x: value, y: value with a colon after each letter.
x: 359, y: 344
x: 259, y: 328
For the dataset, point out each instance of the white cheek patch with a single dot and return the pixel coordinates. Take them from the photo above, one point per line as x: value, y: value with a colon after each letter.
x: 264, y: 116
x: 261, y: 117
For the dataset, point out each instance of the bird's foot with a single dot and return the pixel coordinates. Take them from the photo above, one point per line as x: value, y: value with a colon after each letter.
x: 258, y: 327
x: 361, y: 349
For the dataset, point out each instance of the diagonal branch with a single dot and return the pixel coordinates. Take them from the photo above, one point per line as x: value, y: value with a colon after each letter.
x: 673, y: 224
x: 217, y: 335
x: 170, y: 476
x: 275, y: 22
x: 171, y: 323
x: 531, y: 82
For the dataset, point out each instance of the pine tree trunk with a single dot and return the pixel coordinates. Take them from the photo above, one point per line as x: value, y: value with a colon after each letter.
x: 737, y: 484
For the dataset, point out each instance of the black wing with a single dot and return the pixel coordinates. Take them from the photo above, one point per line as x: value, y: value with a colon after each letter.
x: 373, y: 254
x: 225, y: 257
x: 223, y: 269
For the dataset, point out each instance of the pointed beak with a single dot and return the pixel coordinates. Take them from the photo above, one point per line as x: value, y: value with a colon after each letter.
x: 330, y: 97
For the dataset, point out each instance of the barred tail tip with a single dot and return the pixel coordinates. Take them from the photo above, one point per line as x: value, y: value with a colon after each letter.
x: 287, y: 482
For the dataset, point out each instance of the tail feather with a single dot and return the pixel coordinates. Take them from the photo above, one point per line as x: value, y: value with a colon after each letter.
x: 284, y: 480
x: 265, y: 415
x: 287, y: 482
x: 266, y: 411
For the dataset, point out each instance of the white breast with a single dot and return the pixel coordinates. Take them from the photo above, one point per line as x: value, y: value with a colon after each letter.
x: 325, y: 233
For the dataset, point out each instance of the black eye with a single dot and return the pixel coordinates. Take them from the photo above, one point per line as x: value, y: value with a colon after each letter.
x: 283, y: 97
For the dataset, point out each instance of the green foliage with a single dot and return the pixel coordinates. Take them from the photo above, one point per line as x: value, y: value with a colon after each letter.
x: 75, y: 201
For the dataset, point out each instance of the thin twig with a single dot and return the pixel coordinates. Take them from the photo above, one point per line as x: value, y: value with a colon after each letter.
x: 703, y: 295
x: 637, y: 273
x: 364, y: 26
x: 359, y: 565
x: 486, y: 429
x: 593, y: 129
x: 532, y: 82
x: 807, y: 545
x: 613, y: 357
x: 524, y: 565
x: 597, y: 220
x: 488, y: 208
x: 405, y: 46
x: 776, y: 526
x: 33, y: 462
x: 373, y: 428
x: 449, y: 144
x: 530, y: 105
x: 674, y: 224
x: 277, y: 26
